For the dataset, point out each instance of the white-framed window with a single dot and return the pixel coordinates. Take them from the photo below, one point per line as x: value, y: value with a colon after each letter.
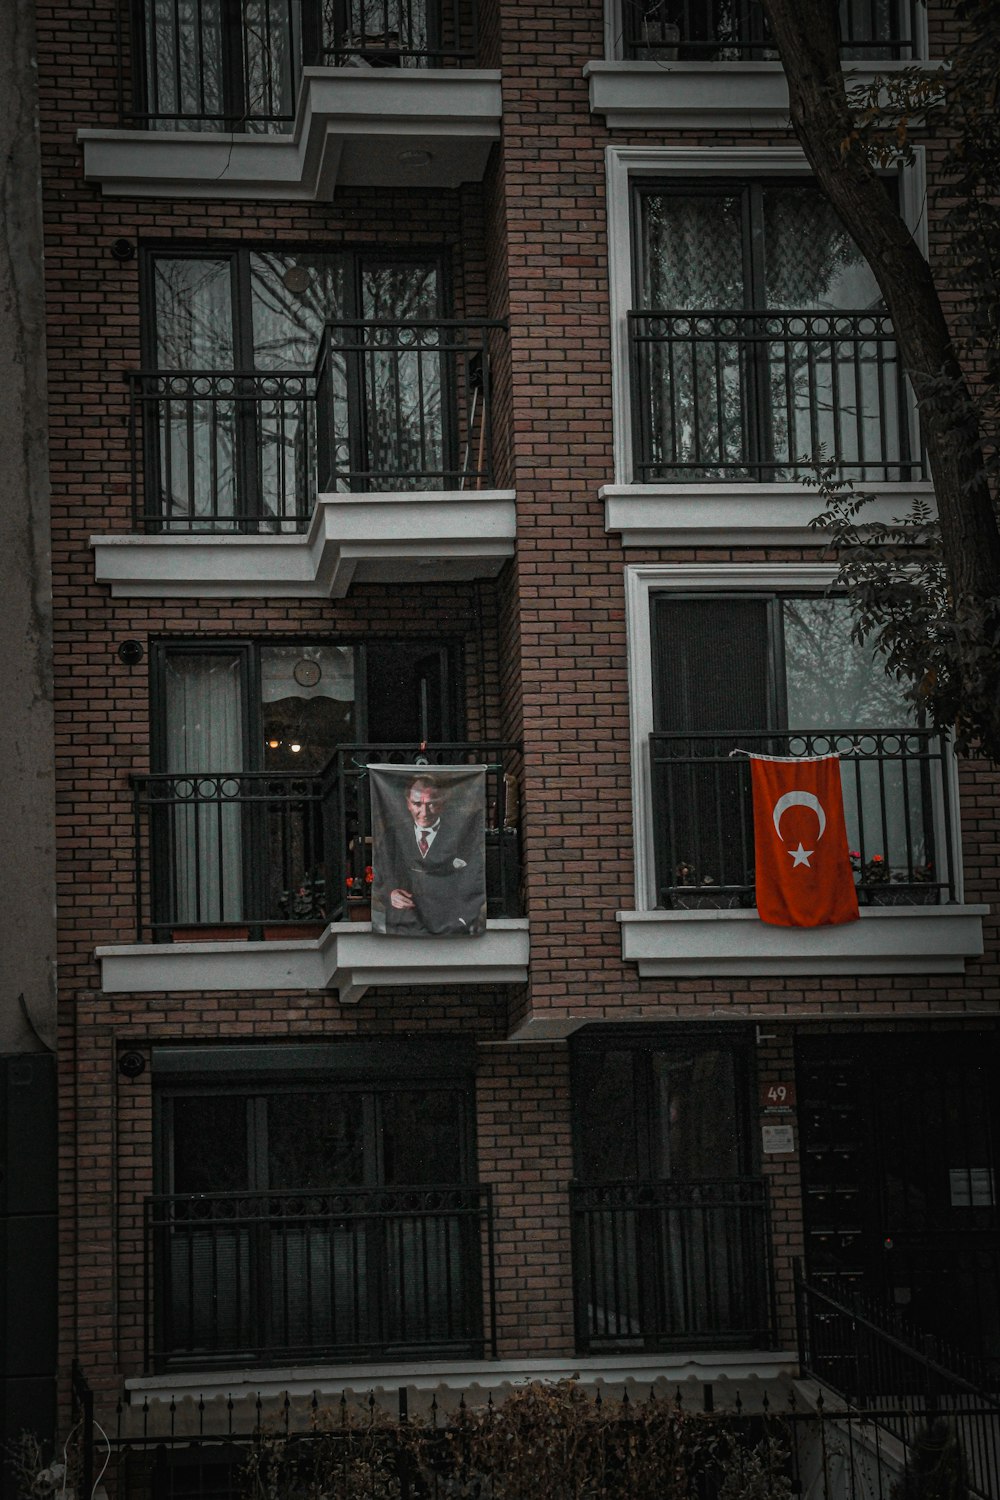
x: 751, y: 656
x: 747, y: 337
x: 735, y: 31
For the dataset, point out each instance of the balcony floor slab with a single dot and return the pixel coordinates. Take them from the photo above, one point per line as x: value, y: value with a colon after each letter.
x: 412, y: 128
x: 750, y: 1371
x: 892, y: 940
x: 426, y: 536
x: 719, y: 514
x: 347, y: 957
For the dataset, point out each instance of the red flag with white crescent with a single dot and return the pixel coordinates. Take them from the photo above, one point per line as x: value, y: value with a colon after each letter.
x: 804, y: 876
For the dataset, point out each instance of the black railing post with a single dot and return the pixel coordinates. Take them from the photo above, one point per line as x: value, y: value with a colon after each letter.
x: 83, y: 1403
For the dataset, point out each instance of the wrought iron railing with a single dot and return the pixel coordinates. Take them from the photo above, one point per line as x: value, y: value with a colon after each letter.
x: 349, y: 808
x: 345, y: 1272
x: 405, y: 404
x: 896, y: 804
x: 736, y: 30
x: 259, y: 854
x: 217, y: 451
x: 907, y: 1383
x: 390, y: 405
x: 236, y: 65
x: 665, y: 1265
x: 768, y: 396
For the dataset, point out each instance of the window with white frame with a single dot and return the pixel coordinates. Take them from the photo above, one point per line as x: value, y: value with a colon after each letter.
x: 758, y: 345
x: 774, y: 669
x: 748, y: 337
x: 732, y: 31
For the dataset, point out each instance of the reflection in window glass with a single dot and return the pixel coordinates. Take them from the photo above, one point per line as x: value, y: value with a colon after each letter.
x: 307, y: 704
x: 315, y: 1141
x: 210, y: 1144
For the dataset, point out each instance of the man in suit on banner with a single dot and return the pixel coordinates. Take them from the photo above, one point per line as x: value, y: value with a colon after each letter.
x: 428, y: 851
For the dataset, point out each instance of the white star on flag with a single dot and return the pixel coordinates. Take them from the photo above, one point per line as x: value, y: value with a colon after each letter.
x: 800, y: 856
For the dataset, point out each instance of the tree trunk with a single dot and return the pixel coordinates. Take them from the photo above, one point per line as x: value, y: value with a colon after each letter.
x: 807, y: 36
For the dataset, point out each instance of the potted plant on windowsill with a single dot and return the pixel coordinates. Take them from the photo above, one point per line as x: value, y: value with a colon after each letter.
x: 692, y: 892
x: 305, y: 908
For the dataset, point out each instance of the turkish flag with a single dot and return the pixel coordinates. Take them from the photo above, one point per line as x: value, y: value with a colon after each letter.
x: 804, y: 875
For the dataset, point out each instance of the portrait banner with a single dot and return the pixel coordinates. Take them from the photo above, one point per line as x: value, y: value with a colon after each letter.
x: 803, y: 867
x: 428, y: 850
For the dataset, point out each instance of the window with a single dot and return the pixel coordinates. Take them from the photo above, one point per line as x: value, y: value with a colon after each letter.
x: 244, y: 801
x: 759, y: 346
x: 316, y: 1199
x: 668, y: 1218
x: 243, y: 420
x: 780, y: 674
x: 736, y: 30
x: 236, y: 64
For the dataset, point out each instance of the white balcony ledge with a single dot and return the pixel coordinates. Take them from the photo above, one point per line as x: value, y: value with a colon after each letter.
x: 751, y: 1373
x: 347, y: 957
x: 720, y: 514
x: 417, y: 128
x: 414, y: 537
x: 747, y: 95
x: 889, y: 940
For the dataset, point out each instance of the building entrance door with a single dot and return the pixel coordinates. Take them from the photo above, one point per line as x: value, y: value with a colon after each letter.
x: 899, y: 1142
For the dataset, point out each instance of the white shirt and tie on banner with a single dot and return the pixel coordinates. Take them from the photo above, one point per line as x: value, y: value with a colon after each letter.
x: 428, y: 850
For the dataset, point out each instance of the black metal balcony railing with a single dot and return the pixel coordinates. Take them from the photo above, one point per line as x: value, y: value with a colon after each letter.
x: 390, y: 405
x: 343, y: 1273
x: 896, y: 805
x: 666, y: 1264
x: 259, y: 853
x: 237, y: 64
x: 213, y: 450
x: 736, y: 30
x: 902, y: 1379
x: 405, y: 404
x: 768, y: 395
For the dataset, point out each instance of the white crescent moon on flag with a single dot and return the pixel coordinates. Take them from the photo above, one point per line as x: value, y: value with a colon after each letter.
x: 798, y: 799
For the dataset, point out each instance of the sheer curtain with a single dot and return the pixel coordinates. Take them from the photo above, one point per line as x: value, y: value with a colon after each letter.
x: 204, y: 713
x: 197, y: 432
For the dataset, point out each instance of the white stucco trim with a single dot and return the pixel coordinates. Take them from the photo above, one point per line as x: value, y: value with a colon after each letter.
x: 891, y: 940
x: 628, y: 164
x: 411, y: 537
x: 670, y: 515
x: 749, y: 95
x: 347, y: 957
x: 476, y: 1379
x: 614, y: 31
x: 351, y: 128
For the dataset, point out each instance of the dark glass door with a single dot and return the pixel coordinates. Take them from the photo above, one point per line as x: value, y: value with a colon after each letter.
x: 899, y: 1142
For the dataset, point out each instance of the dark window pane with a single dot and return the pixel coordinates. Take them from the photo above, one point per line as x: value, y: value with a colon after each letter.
x: 691, y: 251
x: 422, y: 1137
x: 604, y: 1097
x: 210, y: 1144
x: 696, y: 1131
x: 307, y: 704
x: 315, y: 1141
x: 711, y: 664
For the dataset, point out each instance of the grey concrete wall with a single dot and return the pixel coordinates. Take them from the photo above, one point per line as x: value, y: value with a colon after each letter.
x: 27, y: 862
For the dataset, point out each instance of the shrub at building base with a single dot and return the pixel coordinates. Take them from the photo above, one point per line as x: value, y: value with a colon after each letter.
x: 551, y: 1442
x: 936, y: 1468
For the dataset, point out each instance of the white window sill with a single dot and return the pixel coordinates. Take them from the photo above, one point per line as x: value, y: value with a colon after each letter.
x: 702, y: 95
x: 475, y: 1379
x: 354, y: 128
x: 425, y: 536
x: 348, y: 957
x: 717, y: 513
x: 889, y: 940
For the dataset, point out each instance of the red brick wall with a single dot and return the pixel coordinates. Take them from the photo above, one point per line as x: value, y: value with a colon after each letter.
x: 548, y: 641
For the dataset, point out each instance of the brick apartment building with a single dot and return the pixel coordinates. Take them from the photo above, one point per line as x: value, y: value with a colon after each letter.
x: 438, y: 381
